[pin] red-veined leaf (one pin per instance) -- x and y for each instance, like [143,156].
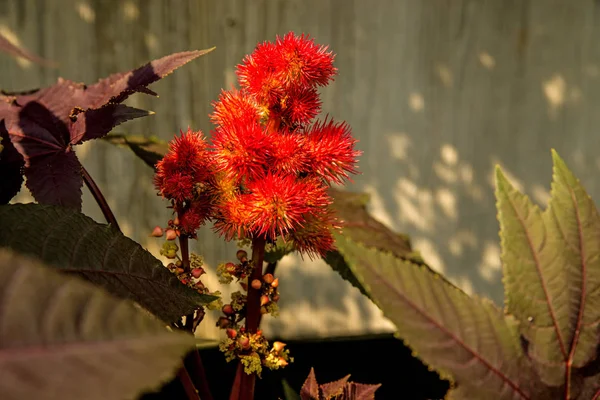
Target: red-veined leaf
[468,340]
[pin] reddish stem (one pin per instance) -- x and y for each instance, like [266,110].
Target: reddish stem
[198,374]
[235,388]
[99,197]
[187,383]
[252,313]
[194,359]
[185,264]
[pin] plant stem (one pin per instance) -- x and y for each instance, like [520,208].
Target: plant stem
[253,312]
[187,383]
[99,197]
[193,361]
[185,264]
[185,252]
[194,364]
[270,269]
[235,387]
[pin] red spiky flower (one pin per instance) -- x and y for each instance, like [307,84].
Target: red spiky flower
[280,164]
[182,176]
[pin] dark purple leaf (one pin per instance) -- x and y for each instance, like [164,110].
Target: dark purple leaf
[333,389]
[361,391]
[117,87]
[310,388]
[43,125]
[56,178]
[96,123]
[15,51]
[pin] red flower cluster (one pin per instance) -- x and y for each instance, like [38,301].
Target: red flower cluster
[273,167]
[184,176]
[268,168]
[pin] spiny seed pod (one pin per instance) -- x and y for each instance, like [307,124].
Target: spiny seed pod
[264,300]
[275,298]
[278,346]
[178,263]
[259,333]
[170,222]
[241,255]
[197,272]
[179,271]
[223,322]
[244,342]
[231,333]
[228,309]
[157,231]
[171,266]
[185,281]
[256,284]
[268,278]
[275,282]
[176,221]
[171,234]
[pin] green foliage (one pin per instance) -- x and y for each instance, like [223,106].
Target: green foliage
[69,241]
[551,264]
[149,149]
[546,344]
[63,338]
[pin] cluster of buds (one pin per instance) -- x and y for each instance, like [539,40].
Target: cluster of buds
[227,272]
[235,311]
[256,354]
[253,350]
[188,276]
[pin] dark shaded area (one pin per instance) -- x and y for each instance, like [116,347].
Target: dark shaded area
[379,359]
[11,167]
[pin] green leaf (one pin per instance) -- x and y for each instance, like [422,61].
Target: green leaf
[62,338]
[573,219]
[535,281]
[361,227]
[288,392]
[466,339]
[72,242]
[148,149]
[552,275]
[278,250]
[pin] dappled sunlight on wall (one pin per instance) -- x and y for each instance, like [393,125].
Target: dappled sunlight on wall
[316,301]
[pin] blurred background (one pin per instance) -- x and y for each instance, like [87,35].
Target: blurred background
[438,92]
